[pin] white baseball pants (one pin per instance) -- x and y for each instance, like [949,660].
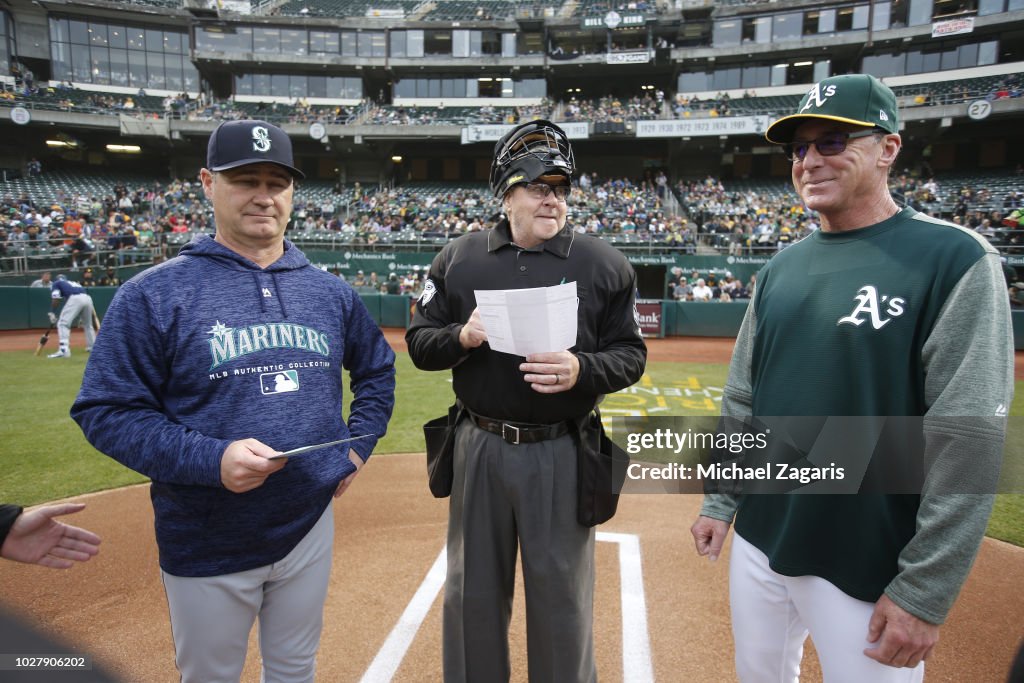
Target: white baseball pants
[772,615]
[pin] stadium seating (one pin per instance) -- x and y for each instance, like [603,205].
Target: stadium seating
[87,101]
[470,10]
[344,8]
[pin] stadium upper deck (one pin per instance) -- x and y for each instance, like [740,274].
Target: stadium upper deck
[388,92]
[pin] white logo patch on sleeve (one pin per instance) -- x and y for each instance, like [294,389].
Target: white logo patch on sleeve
[429,290]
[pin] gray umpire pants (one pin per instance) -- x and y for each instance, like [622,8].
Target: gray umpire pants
[505,496]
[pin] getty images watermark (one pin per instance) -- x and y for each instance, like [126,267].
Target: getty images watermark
[823,454]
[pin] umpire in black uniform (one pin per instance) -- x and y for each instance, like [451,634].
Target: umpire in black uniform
[515,457]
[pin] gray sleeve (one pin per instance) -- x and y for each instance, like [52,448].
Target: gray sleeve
[968,363]
[737,401]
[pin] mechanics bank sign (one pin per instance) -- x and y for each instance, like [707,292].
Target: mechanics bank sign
[649,317]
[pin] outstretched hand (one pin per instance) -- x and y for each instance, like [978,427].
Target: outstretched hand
[37,538]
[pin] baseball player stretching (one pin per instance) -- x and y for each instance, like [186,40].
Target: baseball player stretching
[77,304]
[883,312]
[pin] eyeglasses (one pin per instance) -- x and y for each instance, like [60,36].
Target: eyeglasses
[542,190]
[828,145]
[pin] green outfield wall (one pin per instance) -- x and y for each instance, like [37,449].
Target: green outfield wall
[24,308]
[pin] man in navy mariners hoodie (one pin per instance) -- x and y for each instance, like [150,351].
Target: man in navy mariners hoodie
[209,364]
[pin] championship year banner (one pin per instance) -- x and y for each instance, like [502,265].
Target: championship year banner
[728,125]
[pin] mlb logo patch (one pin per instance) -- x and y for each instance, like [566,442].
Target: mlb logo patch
[279,382]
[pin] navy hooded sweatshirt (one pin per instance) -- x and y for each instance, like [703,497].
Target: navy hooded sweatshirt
[209,348]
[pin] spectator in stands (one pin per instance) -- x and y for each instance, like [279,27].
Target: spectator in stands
[81,252]
[1016,292]
[675,274]
[110,278]
[701,292]
[682,291]
[737,242]
[127,243]
[33,167]
[144,234]
[873,612]
[43,281]
[125,205]
[359,280]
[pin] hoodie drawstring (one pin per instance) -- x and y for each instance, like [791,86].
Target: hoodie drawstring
[277,291]
[259,293]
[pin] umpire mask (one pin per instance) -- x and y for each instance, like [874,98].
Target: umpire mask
[529,151]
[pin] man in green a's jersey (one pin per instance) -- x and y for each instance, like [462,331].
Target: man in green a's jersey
[882,312]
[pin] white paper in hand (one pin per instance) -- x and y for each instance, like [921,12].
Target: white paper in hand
[525,321]
[315,447]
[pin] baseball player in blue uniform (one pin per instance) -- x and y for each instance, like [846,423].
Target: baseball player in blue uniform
[208,365]
[77,305]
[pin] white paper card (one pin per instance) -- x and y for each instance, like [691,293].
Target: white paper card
[525,321]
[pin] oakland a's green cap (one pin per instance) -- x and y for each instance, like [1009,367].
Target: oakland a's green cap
[859,99]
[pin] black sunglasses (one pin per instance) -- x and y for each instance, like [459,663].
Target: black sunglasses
[828,145]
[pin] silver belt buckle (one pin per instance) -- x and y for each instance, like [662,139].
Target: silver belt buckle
[507,429]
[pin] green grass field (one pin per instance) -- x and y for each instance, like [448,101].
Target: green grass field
[45,456]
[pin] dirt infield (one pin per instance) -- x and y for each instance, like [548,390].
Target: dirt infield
[389,532]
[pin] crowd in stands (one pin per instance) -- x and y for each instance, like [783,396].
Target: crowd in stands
[410,284]
[125,226]
[711,287]
[651,105]
[149,222]
[744,222]
[684,106]
[642,108]
[406,115]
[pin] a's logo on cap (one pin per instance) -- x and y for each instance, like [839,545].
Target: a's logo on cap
[817,97]
[882,115]
[260,139]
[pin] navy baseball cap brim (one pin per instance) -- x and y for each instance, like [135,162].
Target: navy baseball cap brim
[240,143]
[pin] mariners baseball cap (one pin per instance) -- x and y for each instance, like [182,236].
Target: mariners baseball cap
[239,143]
[860,99]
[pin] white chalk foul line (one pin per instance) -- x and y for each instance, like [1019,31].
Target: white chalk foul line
[383,667]
[636,644]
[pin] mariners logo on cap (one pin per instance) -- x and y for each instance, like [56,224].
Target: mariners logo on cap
[260,139]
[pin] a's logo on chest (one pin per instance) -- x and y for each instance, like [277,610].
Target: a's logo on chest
[869,303]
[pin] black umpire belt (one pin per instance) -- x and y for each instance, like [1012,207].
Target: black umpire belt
[516,433]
